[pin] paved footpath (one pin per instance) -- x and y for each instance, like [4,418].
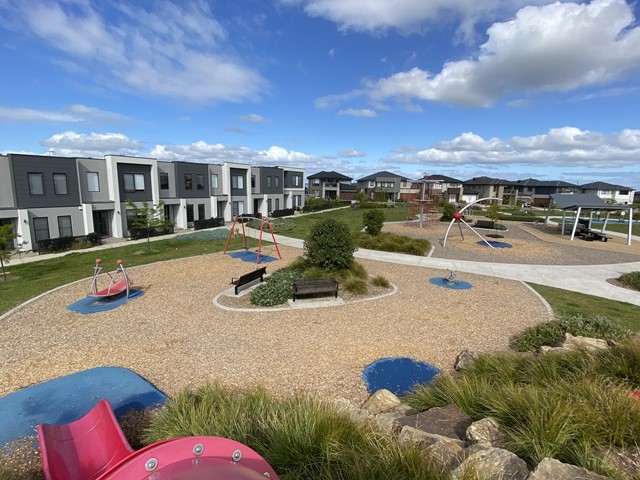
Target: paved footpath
[590,279]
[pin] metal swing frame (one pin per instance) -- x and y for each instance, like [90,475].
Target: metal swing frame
[263,221]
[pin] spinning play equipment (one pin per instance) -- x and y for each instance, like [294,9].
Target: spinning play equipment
[119,281]
[450,281]
[94,448]
[241,220]
[458,218]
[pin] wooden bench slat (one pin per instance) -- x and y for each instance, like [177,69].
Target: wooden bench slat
[248,277]
[314,285]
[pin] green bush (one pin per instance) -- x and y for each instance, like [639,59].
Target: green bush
[300,437]
[276,290]
[373,220]
[356,286]
[631,279]
[356,270]
[330,245]
[380,281]
[549,333]
[560,405]
[390,242]
[448,209]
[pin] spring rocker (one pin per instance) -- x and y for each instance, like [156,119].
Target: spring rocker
[119,281]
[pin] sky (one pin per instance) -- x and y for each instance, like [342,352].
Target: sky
[510,89]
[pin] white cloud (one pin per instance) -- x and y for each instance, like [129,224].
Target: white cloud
[407,15]
[358,112]
[254,118]
[351,153]
[73,144]
[72,114]
[561,147]
[332,53]
[555,47]
[238,130]
[178,51]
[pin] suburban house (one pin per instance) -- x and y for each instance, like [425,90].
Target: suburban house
[47,197]
[484,187]
[384,184]
[446,188]
[538,192]
[329,185]
[610,193]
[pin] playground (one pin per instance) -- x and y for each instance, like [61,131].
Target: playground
[175,337]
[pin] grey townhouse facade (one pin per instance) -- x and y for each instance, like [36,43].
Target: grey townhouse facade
[47,197]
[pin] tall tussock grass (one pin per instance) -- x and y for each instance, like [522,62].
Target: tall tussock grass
[569,406]
[300,437]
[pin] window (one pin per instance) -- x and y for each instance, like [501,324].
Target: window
[41,228]
[93,181]
[60,184]
[189,213]
[64,226]
[277,204]
[199,182]
[214,180]
[297,200]
[268,182]
[276,182]
[36,185]
[253,181]
[237,182]
[188,181]
[164,181]
[316,181]
[133,182]
[201,213]
[297,181]
[269,210]
[238,208]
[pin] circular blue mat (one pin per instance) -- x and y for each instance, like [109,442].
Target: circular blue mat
[495,244]
[94,305]
[398,375]
[455,285]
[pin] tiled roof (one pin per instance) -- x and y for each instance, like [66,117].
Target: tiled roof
[384,173]
[332,175]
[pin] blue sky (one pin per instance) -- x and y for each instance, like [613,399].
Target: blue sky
[504,88]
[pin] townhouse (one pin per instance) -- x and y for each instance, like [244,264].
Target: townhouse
[48,197]
[610,193]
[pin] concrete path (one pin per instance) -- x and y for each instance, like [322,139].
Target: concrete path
[589,279]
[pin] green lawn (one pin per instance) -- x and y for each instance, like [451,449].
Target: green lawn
[617,227]
[573,303]
[31,279]
[351,216]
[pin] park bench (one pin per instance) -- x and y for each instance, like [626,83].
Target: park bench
[484,224]
[314,285]
[248,278]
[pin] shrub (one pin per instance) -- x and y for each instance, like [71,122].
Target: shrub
[448,210]
[356,286]
[380,281]
[94,239]
[330,245]
[285,212]
[549,333]
[373,220]
[208,223]
[300,437]
[356,270]
[276,290]
[390,242]
[631,279]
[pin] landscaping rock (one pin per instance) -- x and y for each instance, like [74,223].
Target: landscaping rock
[488,431]
[447,421]
[447,453]
[625,460]
[358,415]
[381,401]
[421,438]
[388,421]
[465,359]
[403,409]
[575,343]
[552,469]
[493,463]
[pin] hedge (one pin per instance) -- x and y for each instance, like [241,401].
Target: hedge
[208,223]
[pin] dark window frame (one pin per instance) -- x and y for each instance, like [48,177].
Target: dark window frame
[66,183]
[70,226]
[188,181]
[199,181]
[133,177]
[164,185]
[41,175]
[97,175]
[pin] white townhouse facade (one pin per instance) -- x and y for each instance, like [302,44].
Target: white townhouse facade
[47,197]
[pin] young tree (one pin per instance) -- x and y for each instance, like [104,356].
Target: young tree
[148,217]
[493,212]
[7,235]
[373,219]
[448,210]
[330,245]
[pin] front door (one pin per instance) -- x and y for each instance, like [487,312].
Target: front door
[41,229]
[101,223]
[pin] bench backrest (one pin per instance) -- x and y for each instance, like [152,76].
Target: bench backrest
[254,274]
[315,281]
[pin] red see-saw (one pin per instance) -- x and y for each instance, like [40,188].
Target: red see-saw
[119,281]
